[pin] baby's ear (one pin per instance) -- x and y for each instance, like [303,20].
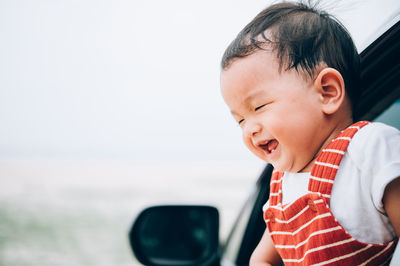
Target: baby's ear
[330,86]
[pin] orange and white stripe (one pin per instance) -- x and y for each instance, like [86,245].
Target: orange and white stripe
[305,232]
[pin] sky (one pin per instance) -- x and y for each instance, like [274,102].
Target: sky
[119,79]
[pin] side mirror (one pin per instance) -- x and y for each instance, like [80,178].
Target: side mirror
[176,235]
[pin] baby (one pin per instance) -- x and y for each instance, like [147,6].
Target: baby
[291,80]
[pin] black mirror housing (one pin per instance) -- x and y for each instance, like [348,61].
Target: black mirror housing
[176,235]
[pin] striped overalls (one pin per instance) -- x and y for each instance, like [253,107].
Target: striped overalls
[305,231]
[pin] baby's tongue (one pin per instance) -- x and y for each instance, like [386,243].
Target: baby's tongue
[272,145]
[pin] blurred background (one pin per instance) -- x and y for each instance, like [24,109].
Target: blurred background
[107,107]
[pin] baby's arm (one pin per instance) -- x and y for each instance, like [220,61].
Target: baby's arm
[265,252]
[391,201]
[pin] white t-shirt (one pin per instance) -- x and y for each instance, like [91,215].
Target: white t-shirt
[372,160]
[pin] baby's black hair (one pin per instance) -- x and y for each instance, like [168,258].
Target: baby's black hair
[302,38]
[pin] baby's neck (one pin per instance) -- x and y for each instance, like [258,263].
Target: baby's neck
[336,128]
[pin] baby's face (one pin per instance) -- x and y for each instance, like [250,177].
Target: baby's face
[279,113]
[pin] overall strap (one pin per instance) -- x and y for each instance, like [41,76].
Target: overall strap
[275,195]
[327,163]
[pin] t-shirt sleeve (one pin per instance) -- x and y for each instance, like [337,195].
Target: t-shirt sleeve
[376,151]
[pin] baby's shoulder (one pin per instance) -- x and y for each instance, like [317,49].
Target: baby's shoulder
[375,140]
[373,136]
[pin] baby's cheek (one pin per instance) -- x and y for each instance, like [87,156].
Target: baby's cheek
[249,144]
[247,141]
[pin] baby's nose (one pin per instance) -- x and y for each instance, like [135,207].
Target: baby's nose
[252,128]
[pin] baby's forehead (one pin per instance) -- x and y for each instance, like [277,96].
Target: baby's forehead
[257,58]
[268,57]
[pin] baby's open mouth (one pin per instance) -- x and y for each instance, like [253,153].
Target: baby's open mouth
[269,146]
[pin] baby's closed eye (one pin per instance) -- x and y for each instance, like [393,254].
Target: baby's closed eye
[259,107]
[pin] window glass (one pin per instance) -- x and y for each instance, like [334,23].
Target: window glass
[391,116]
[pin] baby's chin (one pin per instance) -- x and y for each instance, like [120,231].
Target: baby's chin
[285,168]
[282,167]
